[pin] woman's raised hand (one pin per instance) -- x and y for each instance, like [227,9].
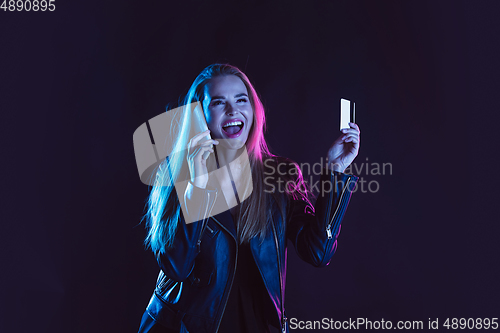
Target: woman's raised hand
[197,156]
[345,148]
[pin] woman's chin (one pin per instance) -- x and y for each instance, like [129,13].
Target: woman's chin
[232,143]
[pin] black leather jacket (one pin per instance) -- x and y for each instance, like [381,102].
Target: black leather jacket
[196,276]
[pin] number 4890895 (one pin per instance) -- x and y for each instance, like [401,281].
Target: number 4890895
[28,5]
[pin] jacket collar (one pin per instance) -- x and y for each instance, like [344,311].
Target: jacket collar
[225,219]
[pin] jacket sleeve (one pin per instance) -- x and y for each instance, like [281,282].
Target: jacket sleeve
[314,230]
[177,262]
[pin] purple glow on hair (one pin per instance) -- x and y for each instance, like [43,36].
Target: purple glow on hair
[256,145]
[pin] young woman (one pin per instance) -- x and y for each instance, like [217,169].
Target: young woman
[220,240]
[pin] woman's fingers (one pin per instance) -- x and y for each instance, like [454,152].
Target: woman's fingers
[200,150]
[209,142]
[354,130]
[203,150]
[350,135]
[205,156]
[350,130]
[198,153]
[352,139]
[194,140]
[353,125]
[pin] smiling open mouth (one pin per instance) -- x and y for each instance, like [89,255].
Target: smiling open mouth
[233,128]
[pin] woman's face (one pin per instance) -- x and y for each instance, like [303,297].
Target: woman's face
[228,110]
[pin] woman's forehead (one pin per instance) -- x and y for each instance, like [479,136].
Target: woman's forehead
[225,86]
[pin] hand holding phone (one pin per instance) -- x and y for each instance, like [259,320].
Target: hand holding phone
[200,125]
[198,152]
[199,148]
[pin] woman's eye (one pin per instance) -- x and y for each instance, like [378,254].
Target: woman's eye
[242,100]
[216,103]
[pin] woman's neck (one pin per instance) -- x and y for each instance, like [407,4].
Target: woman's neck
[227,156]
[234,165]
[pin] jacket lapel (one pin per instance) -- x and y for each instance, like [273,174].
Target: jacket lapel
[266,258]
[225,219]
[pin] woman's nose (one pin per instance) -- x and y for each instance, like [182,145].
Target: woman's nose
[231,110]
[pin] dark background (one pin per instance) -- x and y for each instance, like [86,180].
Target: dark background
[76,83]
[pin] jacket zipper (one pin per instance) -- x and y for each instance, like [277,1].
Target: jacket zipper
[328,232]
[283,318]
[205,220]
[329,226]
[232,280]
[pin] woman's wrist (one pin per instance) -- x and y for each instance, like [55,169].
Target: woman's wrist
[199,183]
[336,167]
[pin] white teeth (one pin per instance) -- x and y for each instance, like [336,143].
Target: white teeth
[234,123]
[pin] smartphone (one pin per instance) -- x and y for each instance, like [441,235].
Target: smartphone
[347,113]
[200,124]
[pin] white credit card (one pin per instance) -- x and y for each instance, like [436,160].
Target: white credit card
[347,112]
